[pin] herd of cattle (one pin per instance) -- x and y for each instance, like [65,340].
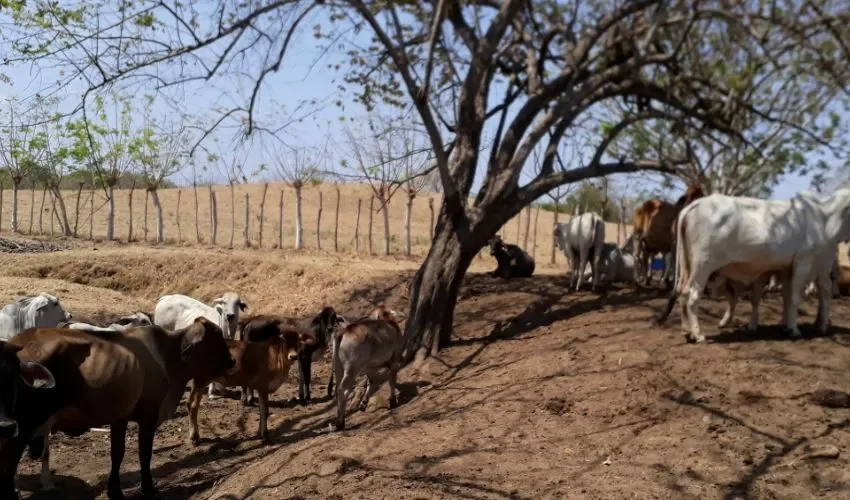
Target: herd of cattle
[716,243]
[59,375]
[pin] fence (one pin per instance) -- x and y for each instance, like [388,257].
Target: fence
[334,217]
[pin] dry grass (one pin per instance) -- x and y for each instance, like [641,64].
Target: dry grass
[350,194]
[514,231]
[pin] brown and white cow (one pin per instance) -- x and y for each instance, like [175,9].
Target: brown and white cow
[367,346]
[261,366]
[94,379]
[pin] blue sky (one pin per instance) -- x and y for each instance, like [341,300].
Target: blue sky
[300,79]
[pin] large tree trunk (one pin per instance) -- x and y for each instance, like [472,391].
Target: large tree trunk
[130,212]
[110,215]
[16,184]
[434,294]
[63,212]
[299,237]
[77,208]
[386,210]
[160,223]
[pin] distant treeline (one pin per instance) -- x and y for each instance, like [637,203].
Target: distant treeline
[73,180]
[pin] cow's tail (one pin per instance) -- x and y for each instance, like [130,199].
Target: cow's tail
[682,267]
[336,362]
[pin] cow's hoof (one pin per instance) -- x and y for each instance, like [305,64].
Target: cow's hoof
[265,440]
[47,485]
[150,492]
[195,439]
[362,406]
[114,493]
[393,402]
[339,426]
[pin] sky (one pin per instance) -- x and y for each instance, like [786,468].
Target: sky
[301,78]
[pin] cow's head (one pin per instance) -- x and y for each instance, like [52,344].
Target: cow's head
[496,245]
[205,351]
[383,312]
[292,341]
[138,319]
[17,376]
[47,311]
[230,305]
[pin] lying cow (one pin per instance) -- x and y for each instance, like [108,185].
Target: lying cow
[367,346]
[40,311]
[135,320]
[581,240]
[742,239]
[261,366]
[173,312]
[93,379]
[321,327]
[615,265]
[511,260]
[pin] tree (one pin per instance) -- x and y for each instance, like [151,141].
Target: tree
[388,158]
[161,150]
[53,146]
[506,76]
[297,167]
[102,142]
[19,161]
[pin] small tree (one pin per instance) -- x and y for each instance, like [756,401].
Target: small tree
[297,168]
[161,151]
[17,159]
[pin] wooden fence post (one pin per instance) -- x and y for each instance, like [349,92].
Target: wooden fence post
[534,239]
[371,212]
[77,208]
[91,213]
[41,212]
[336,222]
[213,215]
[319,223]
[262,214]
[197,215]
[246,242]
[32,209]
[177,216]
[527,227]
[280,221]
[357,228]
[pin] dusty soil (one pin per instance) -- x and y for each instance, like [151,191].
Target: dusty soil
[545,394]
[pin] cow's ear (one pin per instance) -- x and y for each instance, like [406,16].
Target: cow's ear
[219,307]
[37,375]
[243,305]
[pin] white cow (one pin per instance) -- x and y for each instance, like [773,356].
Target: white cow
[40,311]
[582,239]
[174,312]
[615,265]
[135,320]
[744,239]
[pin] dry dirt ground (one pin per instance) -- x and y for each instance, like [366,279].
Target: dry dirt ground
[545,393]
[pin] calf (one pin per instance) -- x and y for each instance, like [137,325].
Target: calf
[92,379]
[512,261]
[132,321]
[367,346]
[259,365]
[321,327]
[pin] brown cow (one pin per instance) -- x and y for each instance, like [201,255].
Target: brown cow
[263,366]
[367,346]
[654,228]
[104,379]
[843,280]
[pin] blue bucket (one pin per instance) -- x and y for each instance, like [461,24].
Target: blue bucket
[657,264]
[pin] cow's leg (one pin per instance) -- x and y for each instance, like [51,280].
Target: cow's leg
[331,370]
[799,273]
[263,394]
[371,387]
[690,322]
[732,295]
[344,385]
[46,476]
[756,292]
[393,382]
[305,364]
[117,433]
[594,265]
[582,263]
[824,285]
[194,403]
[147,429]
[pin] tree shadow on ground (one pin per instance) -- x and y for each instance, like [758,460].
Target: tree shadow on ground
[774,333]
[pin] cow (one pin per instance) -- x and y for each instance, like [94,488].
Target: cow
[843,280]
[653,226]
[512,261]
[93,379]
[742,239]
[173,312]
[135,320]
[581,239]
[321,327]
[367,346]
[262,366]
[616,264]
[40,311]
